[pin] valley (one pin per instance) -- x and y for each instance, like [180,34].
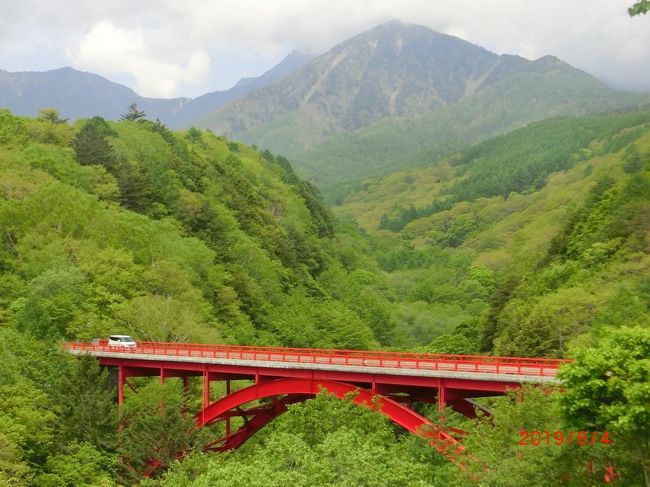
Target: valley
[406,200]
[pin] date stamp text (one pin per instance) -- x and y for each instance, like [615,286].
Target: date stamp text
[560,438]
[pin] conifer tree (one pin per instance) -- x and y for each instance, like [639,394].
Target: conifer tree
[134,115]
[91,147]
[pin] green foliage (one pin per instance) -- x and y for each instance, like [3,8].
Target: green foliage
[52,305]
[40,405]
[133,114]
[239,235]
[609,390]
[523,160]
[130,227]
[154,428]
[12,129]
[496,458]
[51,116]
[26,421]
[84,401]
[632,159]
[79,464]
[567,256]
[191,237]
[303,322]
[91,145]
[462,340]
[46,132]
[322,442]
[412,213]
[640,7]
[610,228]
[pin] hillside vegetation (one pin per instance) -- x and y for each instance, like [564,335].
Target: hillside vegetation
[128,227]
[524,242]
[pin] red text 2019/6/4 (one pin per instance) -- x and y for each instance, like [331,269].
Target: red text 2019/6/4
[559,438]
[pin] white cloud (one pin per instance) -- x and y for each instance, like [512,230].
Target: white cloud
[167,45]
[107,49]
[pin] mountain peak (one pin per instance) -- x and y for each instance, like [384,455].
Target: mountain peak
[407,77]
[549,59]
[419,41]
[395,24]
[399,25]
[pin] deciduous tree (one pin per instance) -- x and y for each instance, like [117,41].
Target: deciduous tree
[608,389]
[51,115]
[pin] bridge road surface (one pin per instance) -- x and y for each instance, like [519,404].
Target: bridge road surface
[289,362]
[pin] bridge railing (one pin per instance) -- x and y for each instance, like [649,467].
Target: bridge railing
[545,367]
[381,359]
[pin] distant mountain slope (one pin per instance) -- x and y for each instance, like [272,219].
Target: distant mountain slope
[391,70]
[198,108]
[78,94]
[413,201]
[396,94]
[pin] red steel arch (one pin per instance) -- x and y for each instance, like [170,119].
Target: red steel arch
[385,381]
[286,391]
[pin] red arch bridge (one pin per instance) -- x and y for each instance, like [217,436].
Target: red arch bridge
[389,382]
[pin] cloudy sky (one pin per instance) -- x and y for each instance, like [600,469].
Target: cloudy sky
[167,48]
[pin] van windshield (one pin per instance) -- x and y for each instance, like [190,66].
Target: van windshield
[121,338]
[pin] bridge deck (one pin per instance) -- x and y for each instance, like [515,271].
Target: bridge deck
[468,367]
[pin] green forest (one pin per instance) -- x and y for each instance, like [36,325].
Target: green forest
[534,243]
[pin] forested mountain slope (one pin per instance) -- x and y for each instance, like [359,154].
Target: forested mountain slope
[398,95]
[522,244]
[130,227]
[525,241]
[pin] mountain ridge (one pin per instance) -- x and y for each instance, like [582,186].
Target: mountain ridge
[82,94]
[76,94]
[426,89]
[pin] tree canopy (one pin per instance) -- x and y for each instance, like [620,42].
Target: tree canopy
[640,7]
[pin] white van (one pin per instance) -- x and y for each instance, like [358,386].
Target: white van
[121,341]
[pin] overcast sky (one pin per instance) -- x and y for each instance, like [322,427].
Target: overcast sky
[167,48]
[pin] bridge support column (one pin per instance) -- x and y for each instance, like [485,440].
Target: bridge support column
[120,387]
[442,396]
[186,394]
[206,392]
[228,418]
[162,381]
